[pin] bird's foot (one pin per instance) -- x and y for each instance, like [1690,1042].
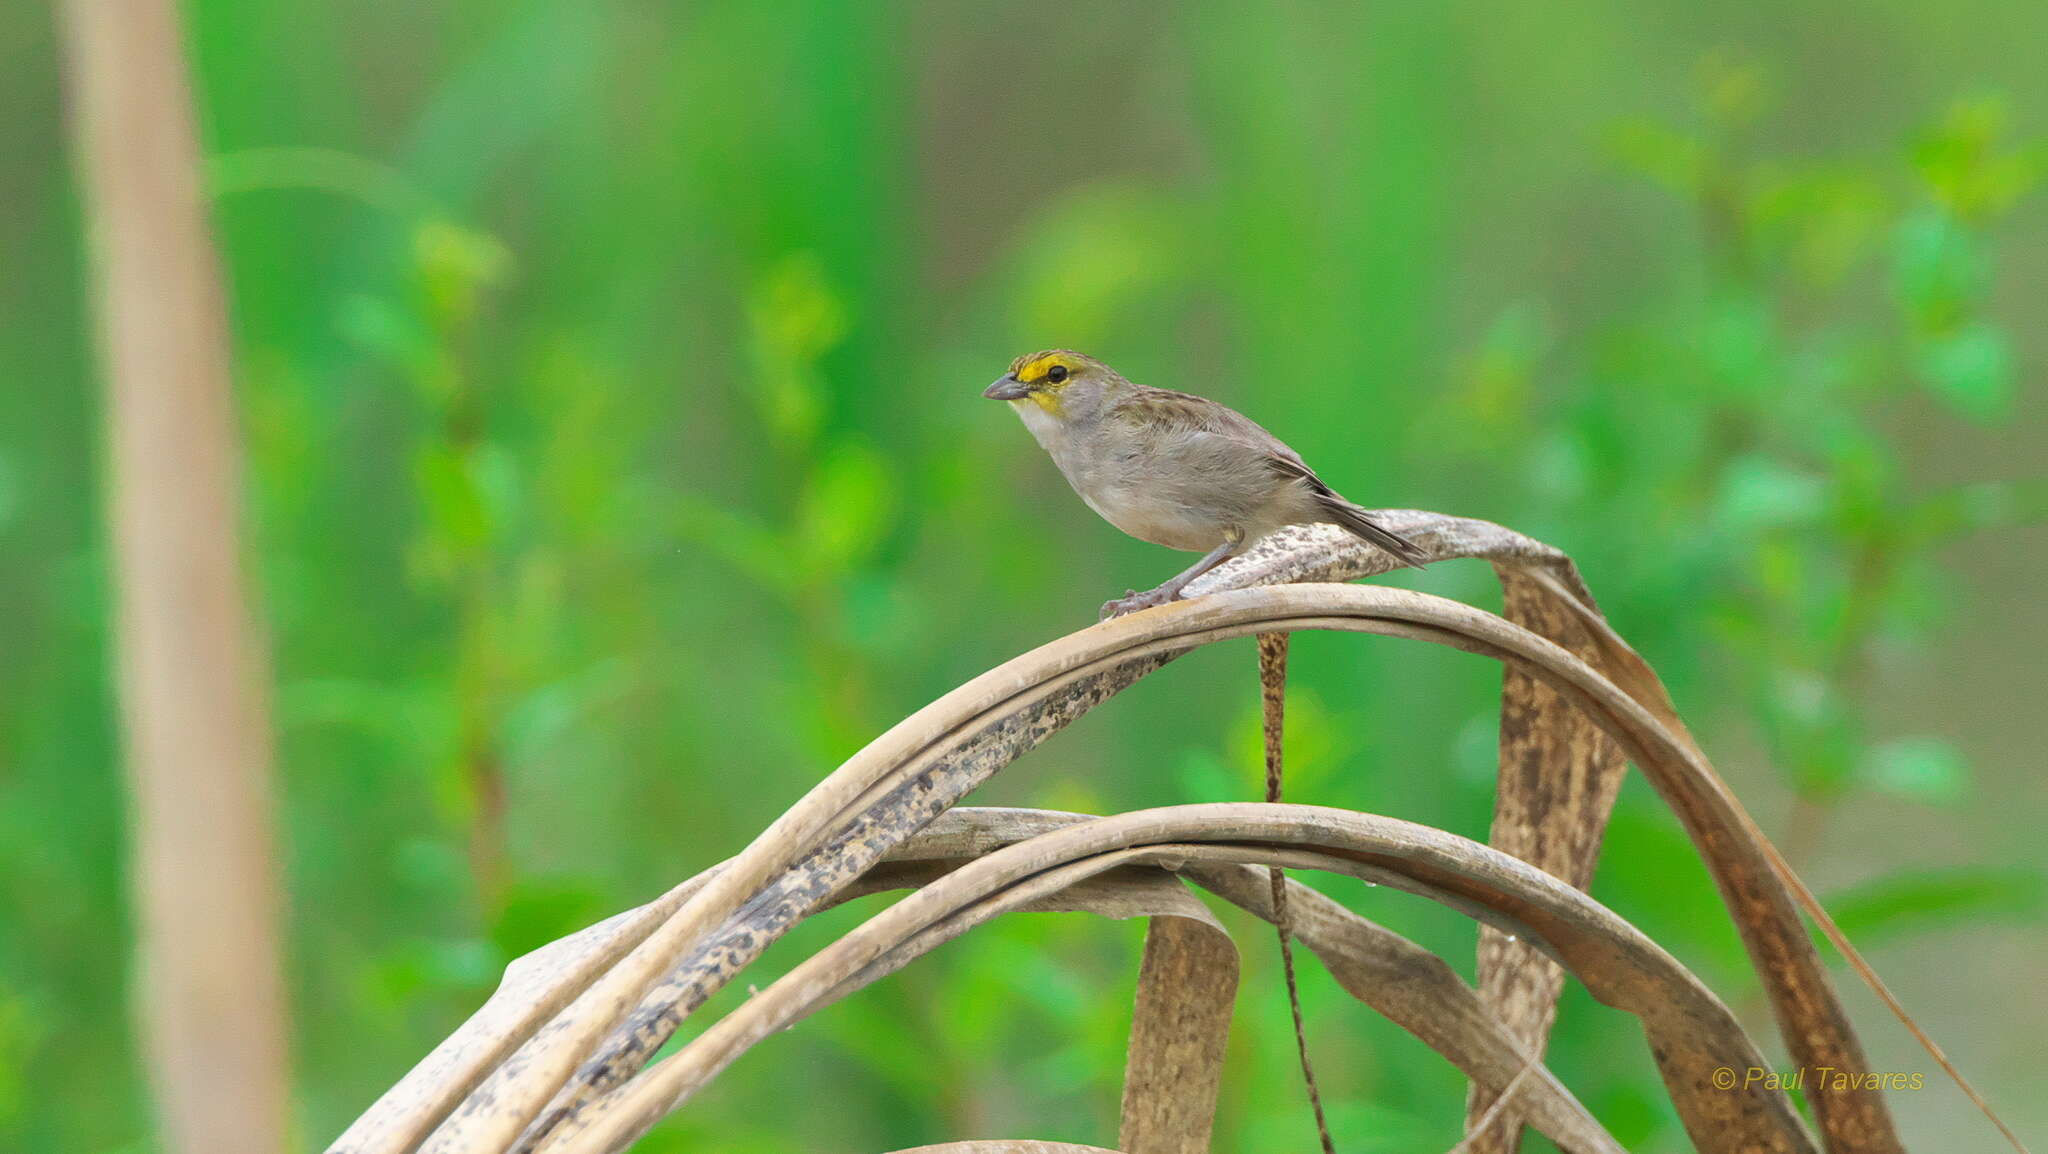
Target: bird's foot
[1132,601]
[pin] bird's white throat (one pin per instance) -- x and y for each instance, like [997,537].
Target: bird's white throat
[1043,425]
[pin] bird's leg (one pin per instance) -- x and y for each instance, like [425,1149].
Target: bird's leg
[1132,600]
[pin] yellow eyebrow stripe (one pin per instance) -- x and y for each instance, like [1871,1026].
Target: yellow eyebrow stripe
[1033,370]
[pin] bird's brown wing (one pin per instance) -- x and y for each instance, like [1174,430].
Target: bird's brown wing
[1167,409]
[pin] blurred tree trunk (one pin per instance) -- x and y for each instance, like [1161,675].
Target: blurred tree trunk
[194,711]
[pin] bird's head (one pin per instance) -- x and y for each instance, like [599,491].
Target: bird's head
[1062,382]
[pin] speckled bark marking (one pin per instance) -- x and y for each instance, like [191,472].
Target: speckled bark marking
[1558,778]
[1273,715]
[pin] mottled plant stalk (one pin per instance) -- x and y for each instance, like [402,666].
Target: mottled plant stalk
[1273,712]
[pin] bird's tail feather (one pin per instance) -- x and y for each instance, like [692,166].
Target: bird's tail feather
[1361,524]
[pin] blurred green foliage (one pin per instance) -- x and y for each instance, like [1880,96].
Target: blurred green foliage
[615,468]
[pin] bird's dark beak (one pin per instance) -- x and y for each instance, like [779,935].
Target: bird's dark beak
[1007,388]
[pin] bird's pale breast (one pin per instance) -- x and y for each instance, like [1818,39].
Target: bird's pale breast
[1186,489]
[1151,515]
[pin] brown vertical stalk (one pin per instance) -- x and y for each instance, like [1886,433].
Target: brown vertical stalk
[194,716]
[1559,775]
[1273,711]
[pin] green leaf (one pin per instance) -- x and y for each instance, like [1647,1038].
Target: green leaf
[1902,903]
[1920,769]
[1971,370]
[797,318]
[847,508]
[1673,160]
[1739,341]
[1967,165]
[380,326]
[457,513]
[1971,508]
[1937,269]
[1758,492]
[455,265]
[1824,220]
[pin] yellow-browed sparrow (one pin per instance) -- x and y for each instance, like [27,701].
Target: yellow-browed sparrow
[1172,468]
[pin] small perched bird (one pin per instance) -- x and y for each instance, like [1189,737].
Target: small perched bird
[1173,468]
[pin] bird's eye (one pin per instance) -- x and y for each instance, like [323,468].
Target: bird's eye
[1056,374]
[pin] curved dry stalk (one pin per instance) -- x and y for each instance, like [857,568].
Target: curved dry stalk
[1570,801]
[1480,1126]
[927,762]
[1629,670]
[969,734]
[1187,986]
[535,987]
[1690,1032]
[990,721]
[1559,773]
[1410,986]
[1816,1029]
[1419,992]
[883,817]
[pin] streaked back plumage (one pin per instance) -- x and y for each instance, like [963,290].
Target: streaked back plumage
[1174,468]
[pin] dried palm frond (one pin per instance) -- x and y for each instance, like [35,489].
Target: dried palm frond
[557,1060]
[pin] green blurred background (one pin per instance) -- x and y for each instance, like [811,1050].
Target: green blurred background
[609,373]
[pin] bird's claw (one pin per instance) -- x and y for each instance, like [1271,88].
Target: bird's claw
[1132,601]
